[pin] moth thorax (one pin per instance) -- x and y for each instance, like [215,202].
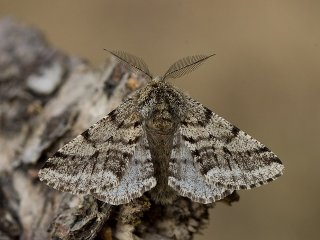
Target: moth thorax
[161,121]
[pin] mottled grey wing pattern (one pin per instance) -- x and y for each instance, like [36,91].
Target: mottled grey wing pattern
[185,178]
[224,154]
[137,179]
[100,158]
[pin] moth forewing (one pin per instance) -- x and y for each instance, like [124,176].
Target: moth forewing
[110,160]
[224,154]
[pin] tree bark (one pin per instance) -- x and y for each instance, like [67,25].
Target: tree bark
[46,99]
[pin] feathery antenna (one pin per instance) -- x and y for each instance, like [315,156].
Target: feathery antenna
[185,66]
[135,63]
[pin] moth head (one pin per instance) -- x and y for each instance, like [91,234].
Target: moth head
[176,70]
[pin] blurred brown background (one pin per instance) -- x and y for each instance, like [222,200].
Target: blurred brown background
[265,79]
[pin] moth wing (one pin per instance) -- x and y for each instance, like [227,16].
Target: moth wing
[137,179]
[223,153]
[185,178]
[98,159]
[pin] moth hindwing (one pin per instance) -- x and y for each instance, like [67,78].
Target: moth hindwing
[162,141]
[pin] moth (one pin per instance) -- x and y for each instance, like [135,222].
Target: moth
[161,141]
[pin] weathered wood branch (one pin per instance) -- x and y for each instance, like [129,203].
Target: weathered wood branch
[46,99]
